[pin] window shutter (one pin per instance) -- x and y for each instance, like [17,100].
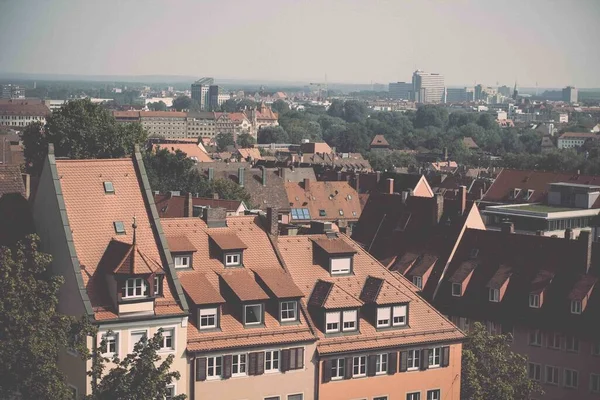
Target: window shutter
[424,359]
[227,366]
[299,357]
[285,360]
[326,374]
[252,363]
[348,370]
[371,365]
[260,363]
[201,369]
[445,356]
[403,361]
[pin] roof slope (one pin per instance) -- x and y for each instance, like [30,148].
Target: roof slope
[192,150]
[174,206]
[11,180]
[336,200]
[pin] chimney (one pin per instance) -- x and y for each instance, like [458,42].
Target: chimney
[241,176]
[357,182]
[272,221]
[462,196]
[216,196]
[378,176]
[569,234]
[264,176]
[438,208]
[390,185]
[282,173]
[211,174]
[586,238]
[215,217]
[508,227]
[339,176]
[306,184]
[405,195]
[189,206]
[27,182]
[445,154]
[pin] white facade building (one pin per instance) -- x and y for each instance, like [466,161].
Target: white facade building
[428,87]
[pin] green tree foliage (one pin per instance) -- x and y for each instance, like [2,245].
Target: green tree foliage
[223,140]
[229,105]
[157,106]
[32,333]
[245,140]
[387,161]
[138,376]
[245,104]
[80,129]
[228,189]
[181,103]
[273,134]
[430,115]
[280,107]
[491,371]
[336,109]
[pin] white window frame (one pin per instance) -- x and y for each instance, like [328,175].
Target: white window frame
[157,282]
[546,375]
[381,364]
[455,285]
[399,311]
[115,335]
[207,313]
[270,364]
[239,364]
[418,282]
[214,359]
[572,344]
[341,270]
[576,307]
[413,396]
[260,315]
[168,332]
[536,377]
[413,360]
[359,363]
[182,261]
[233,259]
[134,332]
[349,317]
[537,336]
[135,284]
[434,394]
[293,310]
[596,378]
[435,357]
[494,295]
[173,393]
[573,374]
[333,317]
[339,365]
[534,300]
[552,341]
[383,320]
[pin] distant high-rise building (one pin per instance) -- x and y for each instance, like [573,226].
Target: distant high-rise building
[200,92]
[216,96]
[401,90]
[504,91]
[569,94]
[479,92]
[428,87]
[456,95]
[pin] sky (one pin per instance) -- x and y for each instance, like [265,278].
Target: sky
[553,43]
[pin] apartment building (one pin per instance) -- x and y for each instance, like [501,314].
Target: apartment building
[167,124]
[201,124]
[569,140]
[98,221]
[18,114]
[377,338]
[249,335]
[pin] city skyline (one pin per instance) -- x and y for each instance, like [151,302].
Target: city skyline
[465,41]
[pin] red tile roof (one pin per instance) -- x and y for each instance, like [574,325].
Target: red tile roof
[243,283]
[169,206]
[379,141]
[11,180]
[192,150]
[338,200]
[334,245]
[179,244]
[25,109]
[228,241]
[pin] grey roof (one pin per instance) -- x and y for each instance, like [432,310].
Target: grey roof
[299,174]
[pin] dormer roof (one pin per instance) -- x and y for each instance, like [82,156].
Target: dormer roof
[500,277]
[199,289]
[279,283]
[180,244]
[228,241]
[582,287]
[378,291]
[463,271]
[423,264]
[243,285]
[541,281]
[334,246]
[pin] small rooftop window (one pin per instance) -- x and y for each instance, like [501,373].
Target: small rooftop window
[300,213]
[342,212]
[322,213]
[349,197]
[119,227]
[108,187]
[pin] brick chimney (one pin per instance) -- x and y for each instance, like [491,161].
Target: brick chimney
[215,217]
[306,184]
[272,221]
[508,227]
[390,185]
[241,173]
[585,237]
[189,206]
[569,234]
[438,208]
[377,176]
[462,197]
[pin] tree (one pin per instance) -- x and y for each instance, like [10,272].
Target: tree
[229,190]
[355,111]
[135,377]
[174,172]
[490,370]
[229,105]
[157,106]
[80,129]
[33,332]
[280,106]
[336,109]
[430,115]
[223,140]
[182,103]
[272,134]
[245,140]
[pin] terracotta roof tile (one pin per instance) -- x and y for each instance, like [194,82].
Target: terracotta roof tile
[169,206]
[227,241]
[192,150]
[199,289]
[379,141]
[11,180]
[279,283]
[334,245]
[500,276]
[135,262]
[326,201]
[244,285]
[180,244]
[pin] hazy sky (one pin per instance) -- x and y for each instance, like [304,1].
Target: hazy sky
[552,42]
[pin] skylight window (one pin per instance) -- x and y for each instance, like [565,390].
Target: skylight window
[322,213]
[342,213]
[119,227]
[300,213]
[108,187]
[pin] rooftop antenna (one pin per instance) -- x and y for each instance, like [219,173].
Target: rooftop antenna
[134,226]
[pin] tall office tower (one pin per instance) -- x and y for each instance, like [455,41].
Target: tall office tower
[428,87]
[401,90]
[504,91]
[200,92]
[216,96]
[569,94]
[456,95]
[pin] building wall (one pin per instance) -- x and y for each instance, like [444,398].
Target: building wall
[20,121]
[260,386]
[396,386]
[169,127]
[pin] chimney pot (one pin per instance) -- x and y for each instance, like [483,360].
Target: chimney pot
[462,194]
[272,221]
[241,176]
[508,227]
[211,174]
[189,209]
[390,185]
[306,184]
[264,176]
[586,238]
[215,217]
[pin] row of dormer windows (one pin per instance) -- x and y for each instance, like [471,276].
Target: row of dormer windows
[252,314]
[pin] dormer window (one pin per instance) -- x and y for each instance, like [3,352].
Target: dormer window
[456,289]
[119,227]
[182,261]
[515,193]
[534,300]
[253,314]
[494,295]
[322,213]
[529,194]
[207,318]
[233,260]
[158,285]
[349,320]
[109,188]
[575,307]
[474,253]
[418,282]
[341,321]
[391,316]
[340,265]
[332,322]
[135,288]
[288,311]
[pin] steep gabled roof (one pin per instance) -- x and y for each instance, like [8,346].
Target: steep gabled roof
[379,141]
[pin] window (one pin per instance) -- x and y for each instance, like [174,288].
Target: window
[391,316]
[332,322]
[288,311]
[399,316]
[119,227]
[456,289]
[575,307]
[418,282]
[298,396]
[170,392]
[182,261]
[433,394]
[535,371]
[340,266]
[208,318]
[381,364]
[112,344]
[253,314]
[596,349]
[322,213]
[359,366]
[572,344]
[594,383]
[551,375]
[272,361]
[571,378]
[434,356]
[167,340]
[337,368]
[529,194]
[554,341]
[535,337]
[238,365]
[413,396]
[108,187]
[380,398]
[383,316]
[494,295]
[534,300]
[135,287]
[233,260]
[157,285]
[349,320]
[136,337]
[214,367]
[414,359]
[300,213]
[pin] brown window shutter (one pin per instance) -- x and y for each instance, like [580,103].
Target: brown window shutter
[292,363]
[403,361]
[299,357]
[445,356]
[348,370]
[201,369]
[326,374]
[260,363]
[424,359]
[285,360]
[252,363]
[227,366]
[371,365]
